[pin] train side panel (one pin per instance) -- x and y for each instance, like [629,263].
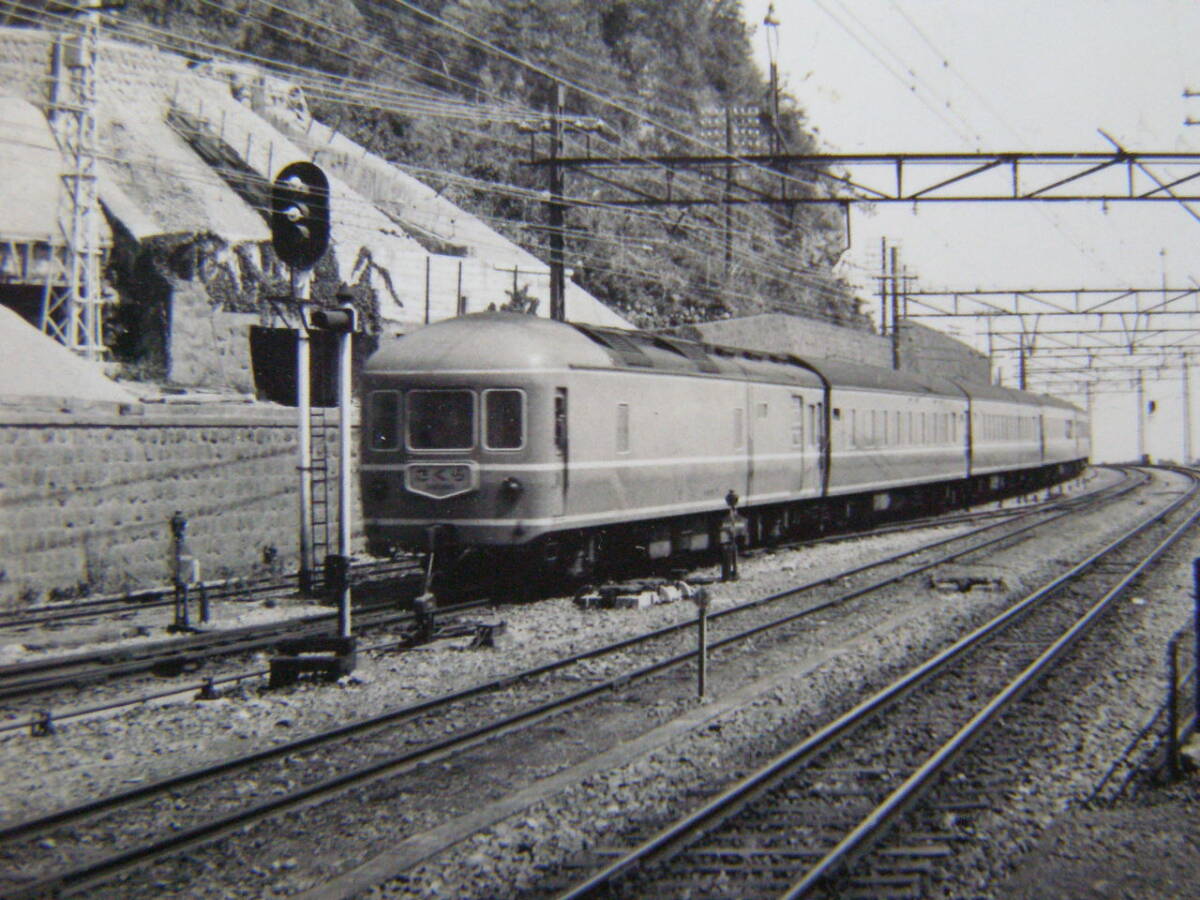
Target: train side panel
[1062,440]
[1004,436]
[885,440]
[648,446]
[645,447]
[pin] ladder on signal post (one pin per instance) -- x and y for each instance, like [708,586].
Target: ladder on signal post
[320,516]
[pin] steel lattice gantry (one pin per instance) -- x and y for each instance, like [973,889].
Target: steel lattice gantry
[1152,327]
[1078,335]
[1119,175]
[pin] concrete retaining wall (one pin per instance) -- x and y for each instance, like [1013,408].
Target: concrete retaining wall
[922,349]
[779,333]
[930,352]
[86,497]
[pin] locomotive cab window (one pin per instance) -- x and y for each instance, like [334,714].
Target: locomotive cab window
[384,418]
[504,419]
[440,420]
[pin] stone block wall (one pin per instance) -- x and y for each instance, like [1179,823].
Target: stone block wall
[86,497]
[208,347]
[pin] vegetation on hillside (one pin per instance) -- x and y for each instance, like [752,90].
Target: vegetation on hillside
[653,71]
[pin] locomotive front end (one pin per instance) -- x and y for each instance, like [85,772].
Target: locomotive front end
[463,439]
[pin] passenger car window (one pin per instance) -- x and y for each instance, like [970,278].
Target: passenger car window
[440,420]
[504,418]
[622,427]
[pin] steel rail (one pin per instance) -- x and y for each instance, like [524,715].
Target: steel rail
[221,590]
[103,664]
[744,791]
[90,872]
[869,829]
[933,521]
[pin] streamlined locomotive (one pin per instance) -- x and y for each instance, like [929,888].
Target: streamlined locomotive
[500,430]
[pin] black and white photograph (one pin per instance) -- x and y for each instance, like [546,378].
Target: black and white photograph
[563,449]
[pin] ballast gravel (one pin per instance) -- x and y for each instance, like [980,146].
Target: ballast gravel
[525,853]
[103,755]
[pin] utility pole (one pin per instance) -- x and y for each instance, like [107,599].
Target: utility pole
[556,206]
[1187,409]
[895,312]
[991,349]
[728,192]
[1141,416]
[771,24]
[557,213]
[73,315]
[1021,364]
[883,286]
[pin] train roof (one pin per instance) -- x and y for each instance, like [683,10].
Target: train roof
[1049,400]
[1011,395]
[996,392]
[487,341]
[515,341]
[853,375]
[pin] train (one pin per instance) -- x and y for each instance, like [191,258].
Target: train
[563,444]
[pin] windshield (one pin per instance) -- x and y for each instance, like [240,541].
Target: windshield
[440,420]
[503,410]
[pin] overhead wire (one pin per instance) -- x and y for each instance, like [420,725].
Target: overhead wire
[575,85]
[1052,218]
[273,5]
[341,82]
[292,34]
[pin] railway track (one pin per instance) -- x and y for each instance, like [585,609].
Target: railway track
[363,574]
[230,590]
[821,818]
[46,719]
[178,655]
[93,841]
[186,654]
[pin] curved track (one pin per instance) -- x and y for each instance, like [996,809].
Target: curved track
[793,827]
[185,654]
[364,750]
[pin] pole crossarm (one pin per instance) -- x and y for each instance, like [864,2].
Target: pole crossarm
[1096,302]
[1121,332]
[813,178]
[1100,353]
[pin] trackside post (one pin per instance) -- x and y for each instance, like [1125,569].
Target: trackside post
[1173,707]
[701,600]
[1196,638]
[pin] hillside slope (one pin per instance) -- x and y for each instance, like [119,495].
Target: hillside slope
[433,86]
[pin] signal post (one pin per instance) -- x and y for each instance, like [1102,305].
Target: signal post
[300,226]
